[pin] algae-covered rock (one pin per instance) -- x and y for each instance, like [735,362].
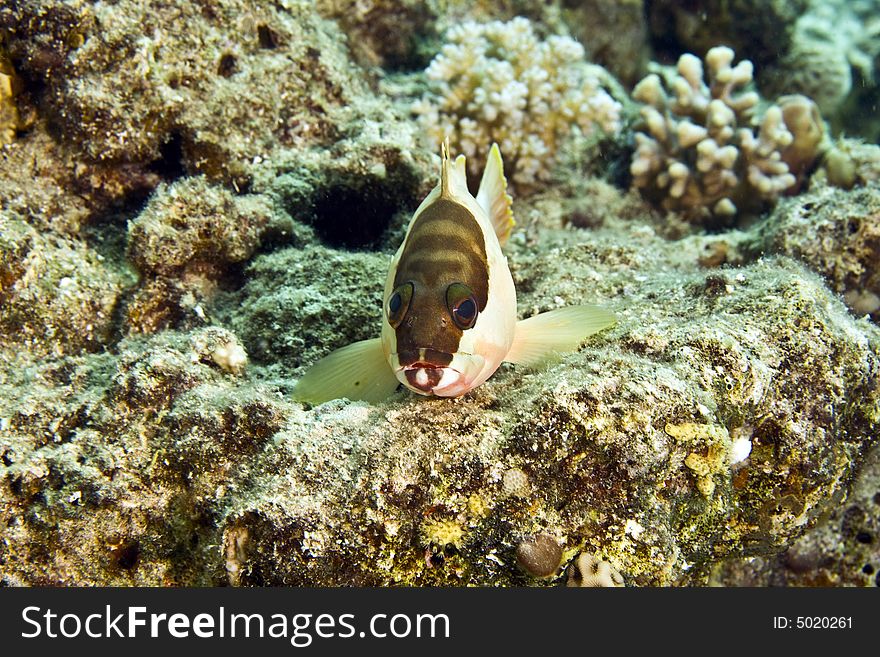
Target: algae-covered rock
[354,194]
[614,34]
[186,240]
[119,481]
[57,296]
[300,303]
[10,118]
[837,234]
[842,550]
[55,190]
[611,441]
[764,28]
[192,224]
[721,417]
[230,83]
[387,33]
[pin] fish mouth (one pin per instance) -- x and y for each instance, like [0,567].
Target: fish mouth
[430,380]
[428,372]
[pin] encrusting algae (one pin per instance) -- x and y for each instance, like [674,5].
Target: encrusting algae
[10,121]
[208,198]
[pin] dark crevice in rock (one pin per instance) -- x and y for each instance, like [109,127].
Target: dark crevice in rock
[356,212]
[169,165]
[349,217]
[353,197]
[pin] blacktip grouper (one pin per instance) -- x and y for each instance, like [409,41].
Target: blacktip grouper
[449,317]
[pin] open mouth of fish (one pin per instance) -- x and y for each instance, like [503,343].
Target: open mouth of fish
[434,376]
[431,379]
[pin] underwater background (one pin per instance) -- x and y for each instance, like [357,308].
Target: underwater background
[200,199]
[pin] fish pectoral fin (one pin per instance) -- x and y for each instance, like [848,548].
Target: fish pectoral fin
[493,197]
[359,372]
[537,338]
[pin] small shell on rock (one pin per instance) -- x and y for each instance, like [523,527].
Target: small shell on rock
[539,556]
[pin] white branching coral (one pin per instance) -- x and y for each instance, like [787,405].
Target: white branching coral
[498,82]
[702,154]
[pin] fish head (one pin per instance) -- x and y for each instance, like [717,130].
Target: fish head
[436,350]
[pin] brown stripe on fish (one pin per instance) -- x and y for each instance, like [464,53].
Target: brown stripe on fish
[445,245]
[424,248]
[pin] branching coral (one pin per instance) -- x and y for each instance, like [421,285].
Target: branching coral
[703,155]
[498,82]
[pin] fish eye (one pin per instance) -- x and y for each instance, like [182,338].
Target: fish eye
[398,304]
[462,305]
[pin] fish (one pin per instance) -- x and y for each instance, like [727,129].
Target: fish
[449,304]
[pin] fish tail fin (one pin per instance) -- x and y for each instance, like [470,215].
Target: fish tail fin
[358,372]
[537,338]
[493,197]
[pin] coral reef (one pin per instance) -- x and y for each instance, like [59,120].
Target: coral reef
[700,155]
[515,483]
[201,200]
[497,82]
[826,50]
[614,33]
[850,162]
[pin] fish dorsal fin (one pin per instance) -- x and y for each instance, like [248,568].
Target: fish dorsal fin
[358,372]
[493,196]
[453,174]
[444,169]
[540,337]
